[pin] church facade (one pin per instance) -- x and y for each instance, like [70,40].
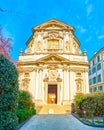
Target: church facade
[53,68]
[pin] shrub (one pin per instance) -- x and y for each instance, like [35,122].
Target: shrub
[8,94]
[92,103]
[25,106]
[25,100]
[24,114]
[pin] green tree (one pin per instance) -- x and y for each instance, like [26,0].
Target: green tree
[8,94]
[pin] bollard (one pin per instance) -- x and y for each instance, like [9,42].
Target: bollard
[103,119]
[84,115]
[92,119]
[72,108]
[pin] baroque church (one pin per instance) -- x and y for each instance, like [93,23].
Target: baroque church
[53,68]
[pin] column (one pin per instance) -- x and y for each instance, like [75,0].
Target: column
[71,82]
[86,82]
[65,87]
[36,84]
[34,80]
[45,92]
[40,85]
[58,92]
[68,85]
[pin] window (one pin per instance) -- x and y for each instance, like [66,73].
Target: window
[99,66]
[99,78]
[93,62]
[94,70]
[94,89]
[98,58]
[89,72]
[94,80]
[100,88]
[90,82]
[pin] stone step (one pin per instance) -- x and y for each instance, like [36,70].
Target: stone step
[54,109]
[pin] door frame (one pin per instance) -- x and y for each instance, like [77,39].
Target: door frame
[56,93]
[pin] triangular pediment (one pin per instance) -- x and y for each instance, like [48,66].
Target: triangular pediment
[53,59]
[53,24]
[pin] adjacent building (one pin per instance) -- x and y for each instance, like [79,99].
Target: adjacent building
[53,68]
[96,71]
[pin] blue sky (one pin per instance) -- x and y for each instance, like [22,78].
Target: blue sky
[18,17]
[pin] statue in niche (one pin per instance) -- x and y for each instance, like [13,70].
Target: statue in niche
[39,46]
[67,46]
[79,87]
[25,83]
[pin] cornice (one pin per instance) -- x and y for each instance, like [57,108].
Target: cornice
[68,63]
[53,22]
[95,55]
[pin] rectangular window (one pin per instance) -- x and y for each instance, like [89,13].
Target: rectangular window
[90,81]
[98,58]
[100,88]
[89,72]
[99,66]
[94,70]
[94,80]
[93,62]
[94,89]
[99,78]
[89,66]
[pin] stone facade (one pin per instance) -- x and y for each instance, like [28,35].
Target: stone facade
[53,68]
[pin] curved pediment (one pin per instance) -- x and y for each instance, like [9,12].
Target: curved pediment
[53,24]
[53,36]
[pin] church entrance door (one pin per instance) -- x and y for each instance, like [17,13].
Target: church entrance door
[52,93]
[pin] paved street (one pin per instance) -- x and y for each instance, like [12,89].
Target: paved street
[55,122]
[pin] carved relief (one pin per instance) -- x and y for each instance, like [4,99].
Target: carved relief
[52,74]
[25,84]
[79,85]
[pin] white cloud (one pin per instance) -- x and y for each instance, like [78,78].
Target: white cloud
[7,34]
[89,9]
[82,29]
[101,37]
